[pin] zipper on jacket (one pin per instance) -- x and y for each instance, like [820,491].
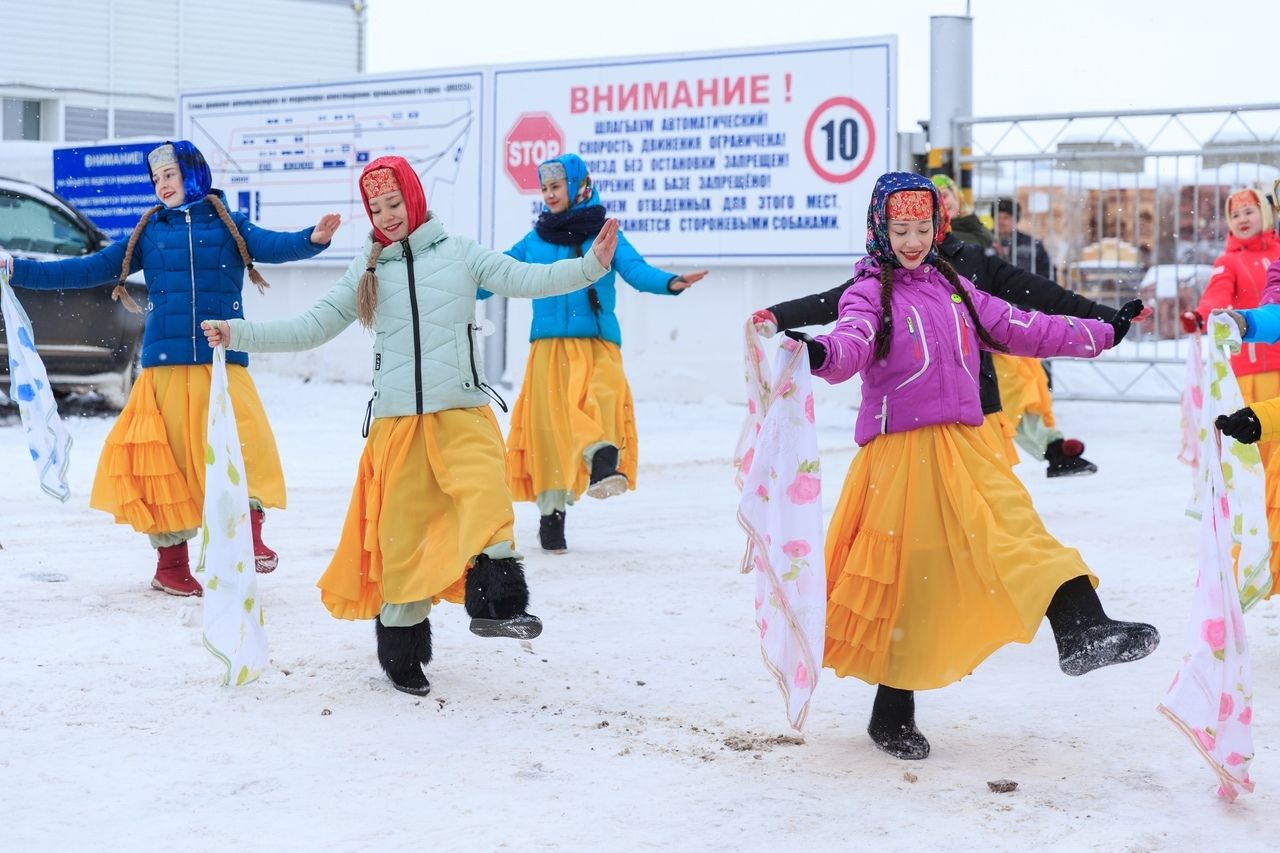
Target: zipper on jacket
[191,262]
[915,342]
[921,347]
[475,371]
[883,417]
[417,334]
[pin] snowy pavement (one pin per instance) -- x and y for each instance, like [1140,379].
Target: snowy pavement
[642,719]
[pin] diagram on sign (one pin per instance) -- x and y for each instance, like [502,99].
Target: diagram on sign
[287,157]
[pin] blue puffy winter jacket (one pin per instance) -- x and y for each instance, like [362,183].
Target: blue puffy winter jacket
[571,315]
[192,270]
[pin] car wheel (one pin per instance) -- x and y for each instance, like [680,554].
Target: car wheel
[115,393]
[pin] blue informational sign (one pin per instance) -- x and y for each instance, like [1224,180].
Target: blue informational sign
[108,183]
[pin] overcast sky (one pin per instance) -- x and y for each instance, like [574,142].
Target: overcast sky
[1030,56]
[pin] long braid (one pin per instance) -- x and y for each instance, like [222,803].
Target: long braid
[983,335]
[886,316]
[367,289]
[120,293]
[254,275]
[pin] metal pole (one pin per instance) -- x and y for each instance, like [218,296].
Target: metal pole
[950,97]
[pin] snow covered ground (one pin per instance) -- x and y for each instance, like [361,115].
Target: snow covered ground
[642,719]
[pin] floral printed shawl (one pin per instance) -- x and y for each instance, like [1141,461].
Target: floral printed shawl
[781,511]
[1211,697]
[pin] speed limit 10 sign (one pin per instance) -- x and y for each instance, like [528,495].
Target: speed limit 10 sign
[839,140]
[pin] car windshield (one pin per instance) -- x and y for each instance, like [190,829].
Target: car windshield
[28,225]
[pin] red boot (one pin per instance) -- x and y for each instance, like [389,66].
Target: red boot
[265,560]
[173,572]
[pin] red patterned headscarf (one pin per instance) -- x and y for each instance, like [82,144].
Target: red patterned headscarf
[910,206]
[389,174]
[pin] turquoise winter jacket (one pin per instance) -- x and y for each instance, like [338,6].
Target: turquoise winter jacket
[425,354]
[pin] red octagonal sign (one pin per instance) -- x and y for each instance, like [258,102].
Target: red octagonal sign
[533,138]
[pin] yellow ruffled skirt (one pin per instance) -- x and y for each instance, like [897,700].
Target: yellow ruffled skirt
[935,559]
[151,471]
[574,394]
[1024,387]
[430,495]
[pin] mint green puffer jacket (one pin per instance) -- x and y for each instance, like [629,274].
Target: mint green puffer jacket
[425,354]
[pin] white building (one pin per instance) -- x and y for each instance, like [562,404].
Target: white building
[90,70]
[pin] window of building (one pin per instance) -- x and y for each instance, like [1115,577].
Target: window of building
[84,123]
[143,123]
[21,119]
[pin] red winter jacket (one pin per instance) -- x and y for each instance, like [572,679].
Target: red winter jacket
[1239,276]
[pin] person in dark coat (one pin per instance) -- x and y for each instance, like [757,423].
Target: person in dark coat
[990,274]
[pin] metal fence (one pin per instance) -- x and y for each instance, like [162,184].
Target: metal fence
[1126,205]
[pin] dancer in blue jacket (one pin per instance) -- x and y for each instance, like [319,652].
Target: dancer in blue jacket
[573,428]
[193,254]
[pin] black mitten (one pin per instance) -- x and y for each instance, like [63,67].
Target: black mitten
[1124,317]
[1243,426]
[817,352]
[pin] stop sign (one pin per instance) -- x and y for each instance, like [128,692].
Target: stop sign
[533,138]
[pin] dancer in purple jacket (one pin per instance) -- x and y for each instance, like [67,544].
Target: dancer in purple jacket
[935,555]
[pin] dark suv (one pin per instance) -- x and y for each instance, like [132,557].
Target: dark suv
[88,341]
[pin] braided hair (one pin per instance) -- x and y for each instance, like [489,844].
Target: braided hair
[885,334]
[121,294]
[367,289]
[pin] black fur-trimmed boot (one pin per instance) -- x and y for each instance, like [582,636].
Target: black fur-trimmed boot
[403,652]
[606,480]
[497,598]
[551,532]
[1087,638]
[893,725]
[1063,456]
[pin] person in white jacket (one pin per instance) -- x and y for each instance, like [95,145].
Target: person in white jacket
[430,515]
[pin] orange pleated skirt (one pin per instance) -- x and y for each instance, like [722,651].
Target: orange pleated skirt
[151,471]
[1024,387]
[935,559]
[430,495]
[574,395]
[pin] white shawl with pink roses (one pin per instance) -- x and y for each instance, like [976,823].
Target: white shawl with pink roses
[781,511]
[1210,699]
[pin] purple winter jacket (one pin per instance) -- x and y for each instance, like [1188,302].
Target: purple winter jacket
[931,373]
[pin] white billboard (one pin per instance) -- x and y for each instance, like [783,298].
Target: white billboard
[754,156]
[287,155]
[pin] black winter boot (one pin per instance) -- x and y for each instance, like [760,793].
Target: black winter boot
[551,532]
[606,480]
[1065,460]
[497,597]
[1087,639]
[893,724]
[403,652]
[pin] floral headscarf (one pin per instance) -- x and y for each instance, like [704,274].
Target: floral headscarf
[889,183]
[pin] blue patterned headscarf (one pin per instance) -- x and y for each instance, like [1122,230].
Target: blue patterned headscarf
[585,214]
[197,180]
[887,184]
[573,171]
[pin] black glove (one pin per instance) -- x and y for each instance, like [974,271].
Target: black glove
[817,352]
[1243,426]
[1124,317]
